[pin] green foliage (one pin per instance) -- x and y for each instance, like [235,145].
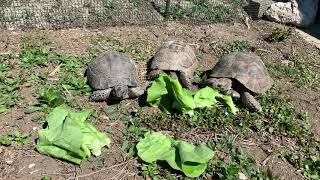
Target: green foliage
[35,54]
[300,70]
[279,35]
[51,97]
[14,136]
[9,91]
[238,46]
[108,4]
[306,158]
[285,119]
[201,9]
[239,162]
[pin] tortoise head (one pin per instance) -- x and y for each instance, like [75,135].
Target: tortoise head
[121,91]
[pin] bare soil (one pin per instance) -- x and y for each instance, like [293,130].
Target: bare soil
[15,161]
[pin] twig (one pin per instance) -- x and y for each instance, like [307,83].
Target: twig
[247,22]
[120,172]
[264,162]
[55,70]
[64,87]
[104,169]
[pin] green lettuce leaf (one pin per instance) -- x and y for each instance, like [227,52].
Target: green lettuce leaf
[69,137]
[167,94]
[153,146]
[190,159]
[158,95]
[206,97]
[229,102]
[194,159]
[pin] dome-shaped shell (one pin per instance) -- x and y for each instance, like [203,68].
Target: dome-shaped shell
[175,55]
[112,69]
[247,68]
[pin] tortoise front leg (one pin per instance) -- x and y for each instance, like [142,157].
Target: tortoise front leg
[249,101]
[154,73]
[135,92]
[100,95]
[173,74]
[186,81]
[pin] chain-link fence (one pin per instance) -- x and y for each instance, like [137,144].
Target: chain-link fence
[92,13]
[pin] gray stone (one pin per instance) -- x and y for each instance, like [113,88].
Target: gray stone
[256,8]
[301,13]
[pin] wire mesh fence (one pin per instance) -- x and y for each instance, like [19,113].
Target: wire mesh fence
[55,14]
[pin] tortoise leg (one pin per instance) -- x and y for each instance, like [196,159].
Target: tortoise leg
[100,95]
[173,74]
[186,81]
[135,92]
[153,74]
[249,101]
[234,94]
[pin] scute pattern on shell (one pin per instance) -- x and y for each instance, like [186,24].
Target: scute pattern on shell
[247,68]
[175,55]
[112,69]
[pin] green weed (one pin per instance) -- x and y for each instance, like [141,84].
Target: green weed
[279,35]
[300,70]
[14,136]
[200,9]
[9,91]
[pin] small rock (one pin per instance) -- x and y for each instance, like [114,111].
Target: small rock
[242,176]
[287,62]
[9,161]
[31,165]
[301,13]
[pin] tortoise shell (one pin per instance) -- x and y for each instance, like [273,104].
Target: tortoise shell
[112,69]
[175,55]
[246,68]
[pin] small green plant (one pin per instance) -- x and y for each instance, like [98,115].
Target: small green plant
[4,68]
[279,35]
[239,163]
[48,98]
[108,4]
[35,54]
[45,178]
[150,170]
[51,97]
[300,70]
[238,46]
[9,90]
[14,136]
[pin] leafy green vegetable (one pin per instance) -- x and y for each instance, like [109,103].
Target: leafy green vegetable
[206,97]
[69,137]
[167,94]
[229,102]
[180,155]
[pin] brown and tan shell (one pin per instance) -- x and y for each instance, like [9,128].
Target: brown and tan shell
[175,55]
[247,68]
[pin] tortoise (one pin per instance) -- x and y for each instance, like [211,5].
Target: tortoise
[241,75]
[113,75]
[176,58]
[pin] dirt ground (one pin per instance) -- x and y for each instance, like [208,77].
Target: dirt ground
[24,162]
